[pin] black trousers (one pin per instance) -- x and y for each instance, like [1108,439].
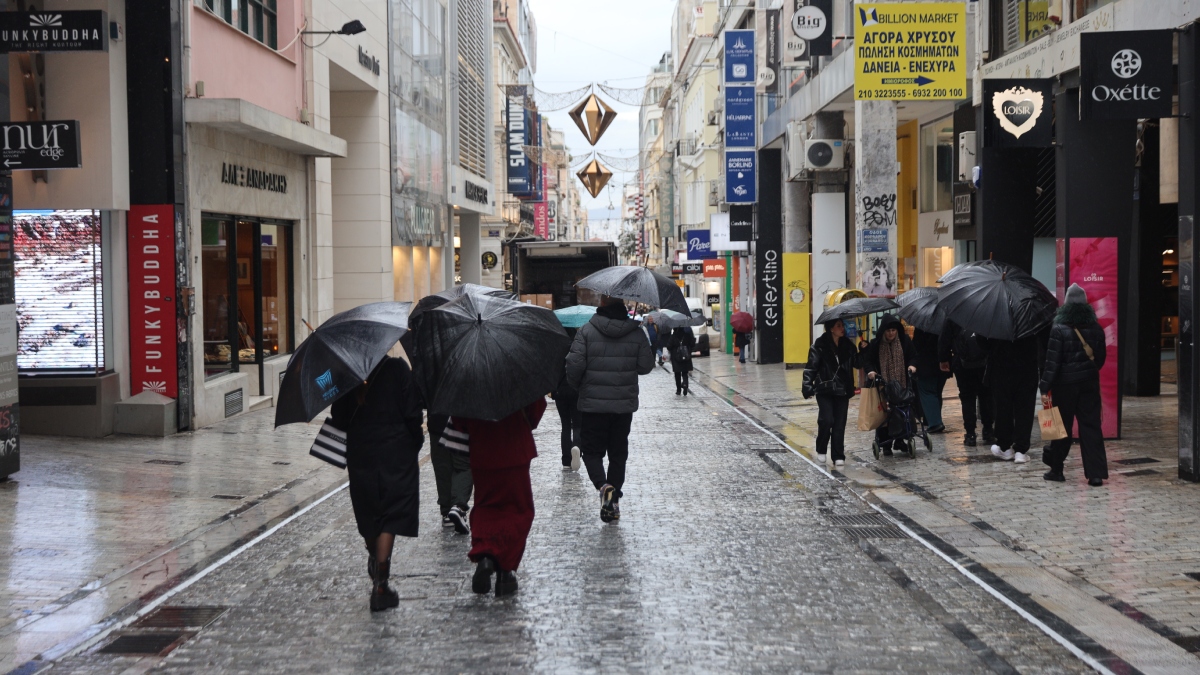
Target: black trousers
[601,434]
[451,470]
[568,415]
[1014,403]
[1080,402]
[681,379]
[970,390]
[831,424]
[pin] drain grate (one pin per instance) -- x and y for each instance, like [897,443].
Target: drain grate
[867,520]
[175,616]
[143,644]
[875,532]
[228,497]
[233,403]
[1137,460]
[168,462]
[1142,472]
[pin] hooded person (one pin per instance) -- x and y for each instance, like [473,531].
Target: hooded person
[962,353]
[608,354]
[891,356]
[1074,356]
[829,375]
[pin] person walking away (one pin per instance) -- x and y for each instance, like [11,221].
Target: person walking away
[892,356]
[741,341]
[606,358]
[829,375]
[566,399]
[683,341]
[382,420]
[1074,356]
[962,353]
[1012,373]
[500,455]
[930,380]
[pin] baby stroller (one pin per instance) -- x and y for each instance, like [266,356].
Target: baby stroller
[905,420]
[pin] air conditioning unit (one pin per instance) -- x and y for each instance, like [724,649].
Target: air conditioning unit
[825,155]
[714,118]
[966,155]
[714,192]
[795,150]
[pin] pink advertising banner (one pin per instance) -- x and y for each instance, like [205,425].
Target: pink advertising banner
[541,220]
[1093,265]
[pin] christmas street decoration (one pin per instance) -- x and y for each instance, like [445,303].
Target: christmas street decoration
[593,117]
[594,177]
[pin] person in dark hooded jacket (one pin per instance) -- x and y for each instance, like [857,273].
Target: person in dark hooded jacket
[681,345]
[1012,374]
[962,353]
[829,376]
[608,354]
[930,379]
[892,356]
[566,399]
[1074,356]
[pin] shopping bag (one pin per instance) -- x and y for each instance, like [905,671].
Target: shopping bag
[1051,424]
[871,414]
[330,445]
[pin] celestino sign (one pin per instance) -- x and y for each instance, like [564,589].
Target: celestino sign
[152,342]
[1126,75]
[1018,113]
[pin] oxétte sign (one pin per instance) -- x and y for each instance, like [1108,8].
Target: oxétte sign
[152,343]
[1126,75]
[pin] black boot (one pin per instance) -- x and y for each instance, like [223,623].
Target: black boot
[678,391]
[969,440]
[506,583]
[1055,475]
[382,596]
[482,581]
[988,436]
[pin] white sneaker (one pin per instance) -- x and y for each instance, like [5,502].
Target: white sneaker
[575,458]
[1019,458]
[1007,455]
[996,451]
[821,458]
[840,462]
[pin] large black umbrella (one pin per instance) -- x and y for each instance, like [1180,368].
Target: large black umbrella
[485,357]
[453,293]
[637,284]
[670,319]
[856,307]
[996,300]
[919,307]
[337,357]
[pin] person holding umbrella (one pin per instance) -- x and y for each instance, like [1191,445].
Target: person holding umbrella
[1074,357]
[962,353]
[566,400]
[829,375]
[743,326]
[930,379]
[892,356]
[606,358]
[682,343]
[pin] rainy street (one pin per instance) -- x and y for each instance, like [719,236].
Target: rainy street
[735,552]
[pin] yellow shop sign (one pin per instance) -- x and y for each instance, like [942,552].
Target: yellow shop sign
[910,51]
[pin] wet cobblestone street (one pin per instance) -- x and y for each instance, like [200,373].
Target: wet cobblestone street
[733,554]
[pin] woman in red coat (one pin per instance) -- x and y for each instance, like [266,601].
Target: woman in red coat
[503,514]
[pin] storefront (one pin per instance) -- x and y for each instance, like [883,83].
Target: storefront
[935,233]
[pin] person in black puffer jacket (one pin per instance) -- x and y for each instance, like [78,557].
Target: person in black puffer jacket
[962,353]
[829,376]
[609,353]
[1072,375]
[681,344]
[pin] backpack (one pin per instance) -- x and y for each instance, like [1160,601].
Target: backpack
[969,351]
[681,352]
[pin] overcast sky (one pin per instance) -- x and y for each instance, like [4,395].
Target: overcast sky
[616,42]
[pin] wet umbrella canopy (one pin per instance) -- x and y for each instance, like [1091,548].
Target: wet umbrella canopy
[453,293]
[637,284]
[996,300]
[485,357]
[742,322]
[337,357]
[575,317]
[670,319]
[919,307]
[854,308]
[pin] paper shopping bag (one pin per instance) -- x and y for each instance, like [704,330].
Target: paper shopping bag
[871,414]
[1050,421]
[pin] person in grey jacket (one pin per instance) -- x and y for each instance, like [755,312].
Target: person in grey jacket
[609,353]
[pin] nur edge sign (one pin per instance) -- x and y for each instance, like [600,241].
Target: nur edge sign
[60,31]
[1126,75]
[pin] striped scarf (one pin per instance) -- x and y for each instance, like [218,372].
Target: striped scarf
[891,361]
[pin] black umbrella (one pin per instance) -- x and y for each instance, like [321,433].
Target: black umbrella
[637,284]
[485,357]
[996,300]
[670,319]
[453,293]
[920,309]
[337,357]
[856,307]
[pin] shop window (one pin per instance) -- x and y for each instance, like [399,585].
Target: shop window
[937,166]
[1019,22]
[59,289]
[256,18]
[247,293]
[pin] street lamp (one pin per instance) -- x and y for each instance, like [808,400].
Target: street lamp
[349,28]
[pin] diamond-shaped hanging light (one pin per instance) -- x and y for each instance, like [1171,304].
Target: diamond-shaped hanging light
[593,117]
[594,177]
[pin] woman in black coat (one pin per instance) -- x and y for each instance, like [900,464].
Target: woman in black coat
[892,356]
[382,421]
[566,399]
[682,344]
[829,376]
[1074,356]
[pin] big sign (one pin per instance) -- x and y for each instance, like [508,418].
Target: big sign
[910,51]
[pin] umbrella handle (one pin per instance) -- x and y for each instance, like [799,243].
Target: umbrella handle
[308,325]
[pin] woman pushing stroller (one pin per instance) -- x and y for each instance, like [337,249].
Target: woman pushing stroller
[892,357]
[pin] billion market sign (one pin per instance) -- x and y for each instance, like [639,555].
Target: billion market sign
[62,31]
[912,50]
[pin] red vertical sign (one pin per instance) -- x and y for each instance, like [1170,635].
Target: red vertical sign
[1093,265]
[152,342]
[541,220]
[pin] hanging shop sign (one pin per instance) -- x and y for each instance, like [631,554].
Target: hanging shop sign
[516,138]
[768,268]
[699,245]
[541,220]
[152,340]
[773,52]
[687,267]
[59,31]
[910,51]
[741,223]
[40,145]
[718,227]
[714,269]
[489,260]
[739,57]
[797,307]
[740,117]
[809,29]
[964,223]
[1018,113]
[741,176]
[1126,75]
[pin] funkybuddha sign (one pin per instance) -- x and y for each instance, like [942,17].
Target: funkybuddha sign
[906,51]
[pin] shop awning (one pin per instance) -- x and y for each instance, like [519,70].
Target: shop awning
[238,116]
